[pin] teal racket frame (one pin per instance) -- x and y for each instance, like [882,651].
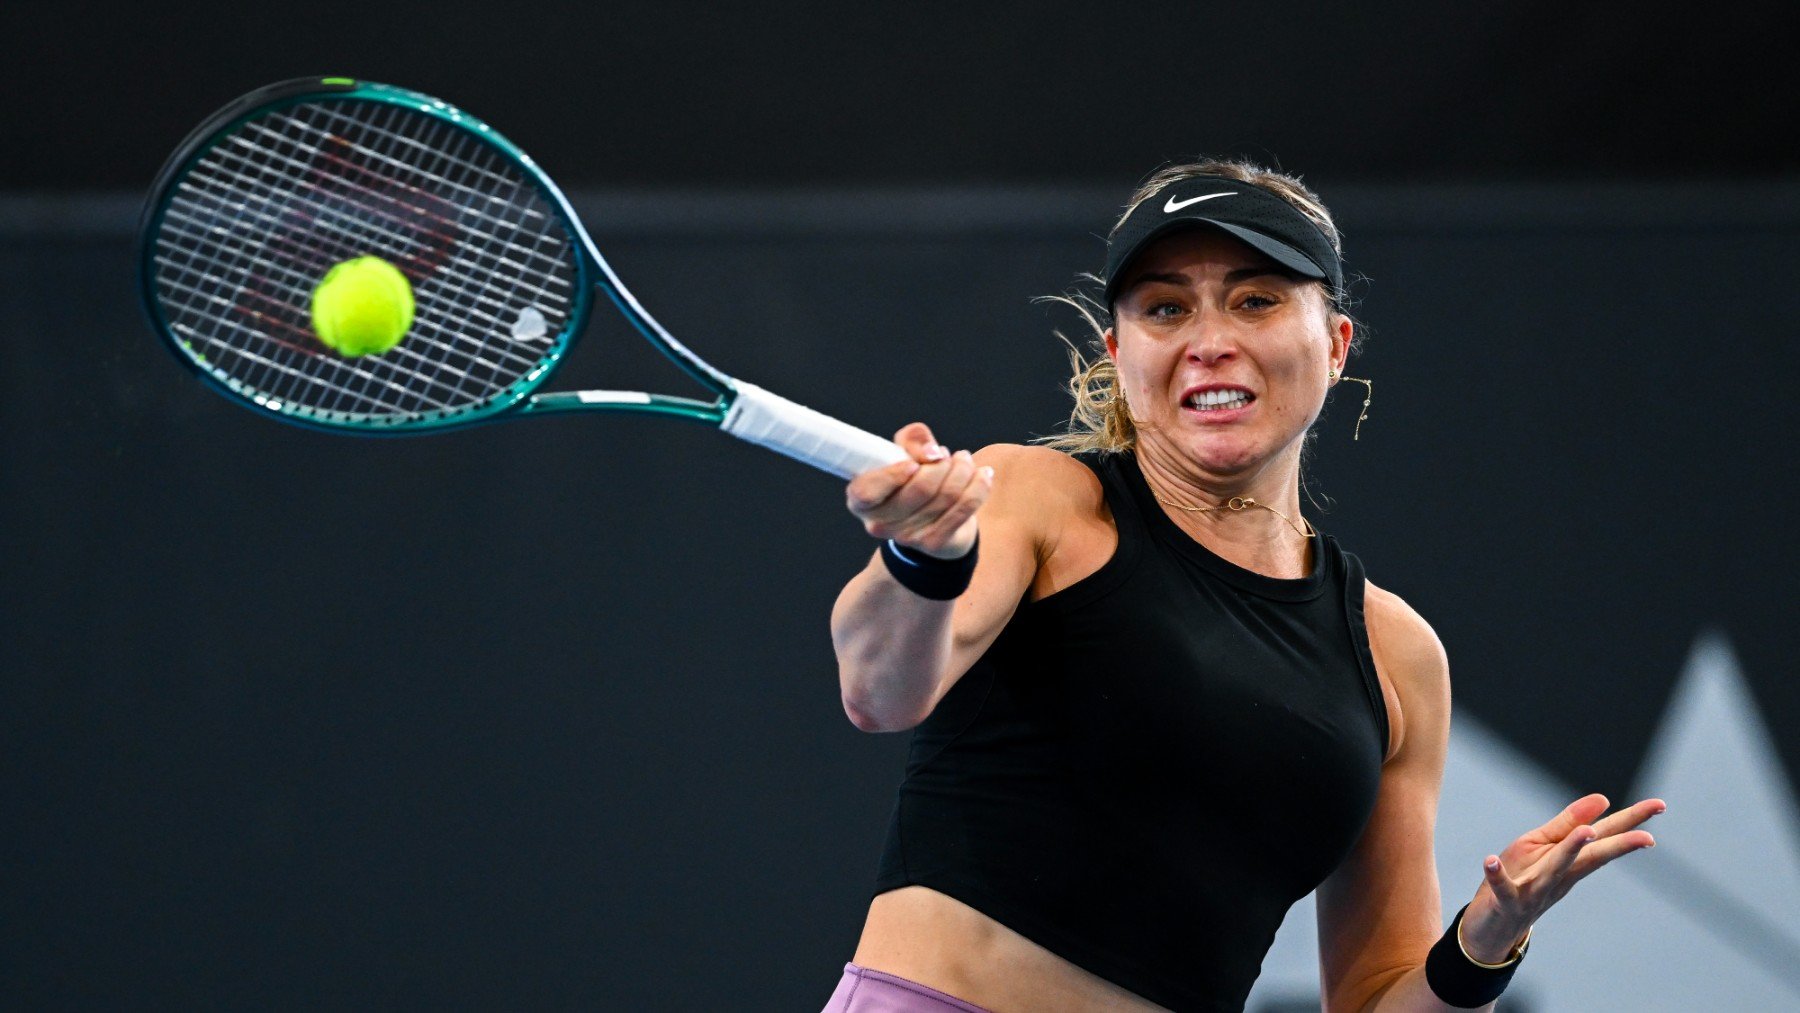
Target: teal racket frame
[516,400]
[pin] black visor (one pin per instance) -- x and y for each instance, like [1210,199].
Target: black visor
[1265,221]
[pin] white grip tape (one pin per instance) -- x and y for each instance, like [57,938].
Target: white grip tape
[773,421]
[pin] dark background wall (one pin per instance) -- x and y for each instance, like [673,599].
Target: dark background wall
[808,93]
[546,714]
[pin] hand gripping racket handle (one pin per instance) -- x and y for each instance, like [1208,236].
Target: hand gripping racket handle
[806,435]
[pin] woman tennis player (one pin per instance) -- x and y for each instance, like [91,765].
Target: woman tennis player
[1152,706]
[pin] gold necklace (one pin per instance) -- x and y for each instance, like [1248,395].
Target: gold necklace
[1237,503]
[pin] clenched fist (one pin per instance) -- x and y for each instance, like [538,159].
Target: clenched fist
[927,503]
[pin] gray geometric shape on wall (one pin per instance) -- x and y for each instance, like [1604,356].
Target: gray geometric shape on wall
[1709,919]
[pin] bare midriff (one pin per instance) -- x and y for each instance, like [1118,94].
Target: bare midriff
[940,942]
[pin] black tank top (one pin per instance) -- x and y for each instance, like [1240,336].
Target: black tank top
[1149,767]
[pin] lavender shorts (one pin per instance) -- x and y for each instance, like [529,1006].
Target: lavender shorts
[862,990]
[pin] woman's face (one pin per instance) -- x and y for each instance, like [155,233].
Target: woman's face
[1222,352]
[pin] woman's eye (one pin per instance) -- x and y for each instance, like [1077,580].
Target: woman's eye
[1163,310]
[1256,302]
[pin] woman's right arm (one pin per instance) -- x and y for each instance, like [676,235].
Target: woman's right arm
[899,652]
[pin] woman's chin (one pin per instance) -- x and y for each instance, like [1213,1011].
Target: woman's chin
[1215,450]
[1224,453]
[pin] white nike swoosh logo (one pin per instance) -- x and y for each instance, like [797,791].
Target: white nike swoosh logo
[1175,205]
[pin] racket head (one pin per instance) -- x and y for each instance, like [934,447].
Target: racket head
[269,192]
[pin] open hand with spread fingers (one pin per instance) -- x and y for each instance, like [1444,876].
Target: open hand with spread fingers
[1542,866]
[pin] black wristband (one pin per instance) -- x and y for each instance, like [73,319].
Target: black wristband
[929,576]
[1457,979]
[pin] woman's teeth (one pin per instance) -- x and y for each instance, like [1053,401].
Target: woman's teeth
[1219,400]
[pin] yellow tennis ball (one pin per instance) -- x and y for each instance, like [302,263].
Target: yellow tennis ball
[362,306]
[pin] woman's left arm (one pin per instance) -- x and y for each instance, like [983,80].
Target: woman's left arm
[1379,912]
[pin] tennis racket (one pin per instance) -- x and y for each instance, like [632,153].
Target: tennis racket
[274,189]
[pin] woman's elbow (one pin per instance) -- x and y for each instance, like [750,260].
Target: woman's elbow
[868,717]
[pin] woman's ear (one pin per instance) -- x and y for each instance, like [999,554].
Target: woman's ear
[1343,331]
[1112,345]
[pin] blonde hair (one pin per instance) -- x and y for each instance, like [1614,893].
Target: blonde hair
[1100,418]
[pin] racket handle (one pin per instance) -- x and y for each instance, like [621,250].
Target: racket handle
[773,421]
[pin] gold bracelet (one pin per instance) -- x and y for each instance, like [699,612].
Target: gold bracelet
[1517,951]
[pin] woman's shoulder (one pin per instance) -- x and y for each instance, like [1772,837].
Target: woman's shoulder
[1043,465]
[1055,497]
[1041,479]
[1411,661]
[1400,626]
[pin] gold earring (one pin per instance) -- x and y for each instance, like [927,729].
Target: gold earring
[1370,396]
[1331,374]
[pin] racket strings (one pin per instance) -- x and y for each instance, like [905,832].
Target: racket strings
[270,208]
[287,327]
[357,174]
[300,267]
[261,293]
[359,182]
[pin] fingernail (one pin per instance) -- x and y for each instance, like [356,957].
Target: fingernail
[1492,864]
[936,452]
[987,473]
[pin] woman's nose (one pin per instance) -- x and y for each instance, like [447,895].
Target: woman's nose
[1209,342]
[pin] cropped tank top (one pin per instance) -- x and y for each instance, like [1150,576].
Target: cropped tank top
[1149,767]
